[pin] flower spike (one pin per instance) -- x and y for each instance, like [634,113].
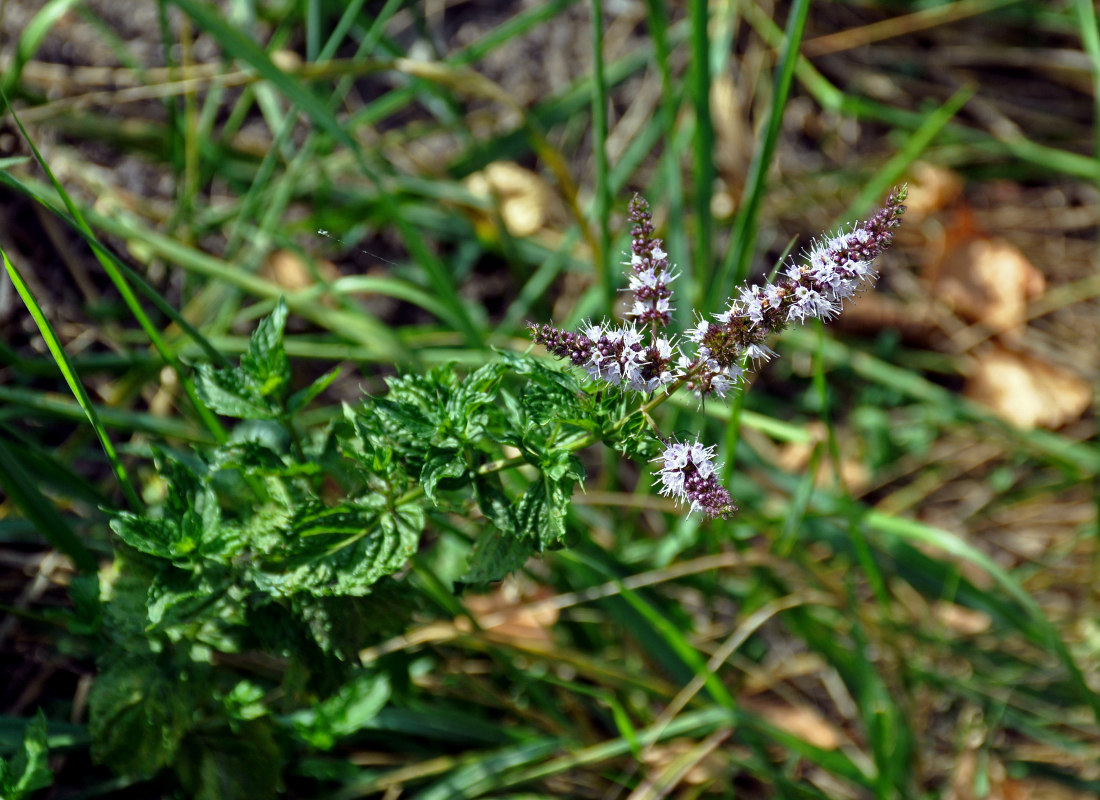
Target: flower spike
[636,357]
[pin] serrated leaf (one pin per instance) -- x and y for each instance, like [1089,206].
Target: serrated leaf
[561,465]
[233,393]
[153,536]
[538,371]
[250,457]
[495,505]
[467,410]
[549,402]
[354,706]
[29,770]
[441,464]
[178,596]
[242,763]
[541,511]
[495,555]
[405,419]
[178,538]
[343,551]
[266,363]
[140,709]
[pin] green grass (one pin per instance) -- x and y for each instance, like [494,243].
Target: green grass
[686,657]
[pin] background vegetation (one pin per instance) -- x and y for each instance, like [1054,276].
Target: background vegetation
[906,604]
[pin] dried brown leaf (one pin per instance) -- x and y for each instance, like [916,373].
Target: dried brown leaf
[932,188]
[1027,391]
[523,195]
[984,279]
[967,621]
[801,721]
[522,619]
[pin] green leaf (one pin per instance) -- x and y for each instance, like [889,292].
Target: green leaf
[141,706]
[242,763]
[179,596]
[266,363]
[495,505]
[237,44]
[351,709]
[153,536]
[406,422]
[469,408]
[233,393]
[190,521]
[495,555]
[343,550]
[541,511]
[256,388]
[441,464]
[28,771]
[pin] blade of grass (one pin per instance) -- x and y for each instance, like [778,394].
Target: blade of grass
[237,45]
[601,202]
[672,191]
[359,327]
[1080,458]
[30,39]
[1090,38]
[703,153]
[538,283]
[1040,630]
[831,98]
[134,278]
[735,266]
[41,513]
[891,172]
[23,400]
[47,471]
[208,418]
[667,633]
[71,378]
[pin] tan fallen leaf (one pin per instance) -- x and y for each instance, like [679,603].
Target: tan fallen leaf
[291,272]
[524,196]
[932,188]
[967,621]
[801,721]
[508,616]
[1026,391]
[984,279]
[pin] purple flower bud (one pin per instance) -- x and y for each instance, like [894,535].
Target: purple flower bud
[650,270]
[576,347]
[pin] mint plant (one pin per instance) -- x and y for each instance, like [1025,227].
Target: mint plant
[293,543]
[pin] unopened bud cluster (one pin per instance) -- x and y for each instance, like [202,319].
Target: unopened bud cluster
[639,357]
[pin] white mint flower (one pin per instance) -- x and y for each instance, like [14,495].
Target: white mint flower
[697,333]
[688,475]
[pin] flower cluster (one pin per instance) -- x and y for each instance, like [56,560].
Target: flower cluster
[637,357]
[689,475]
[650,274]
[834,270]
